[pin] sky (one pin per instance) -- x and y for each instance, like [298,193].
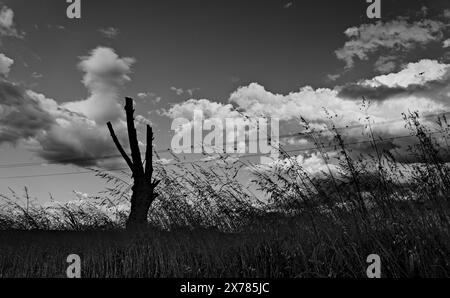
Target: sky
[62,79]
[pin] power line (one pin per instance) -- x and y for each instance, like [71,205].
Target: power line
[58,174]
[307,134]
[220,158]
[305,149]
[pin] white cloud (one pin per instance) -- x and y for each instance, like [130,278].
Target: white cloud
[417,73]
[73,135]
[143,121]
[447,13]
[178,91]
[36,75]
[191,91]
[81,196]
[164,161]
[105,70]
[153,96]
[428,79]
[61,132]
[21,117]
[288,4]
[256,101]
[5,65]
[385,64]
[446,43]
[210,109]
[105,74]
[394,35]
[313,164]
[143,95]
[316,106]
[110,32]
[321,106]
[7,26]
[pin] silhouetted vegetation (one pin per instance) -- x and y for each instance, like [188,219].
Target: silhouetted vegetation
[205,223]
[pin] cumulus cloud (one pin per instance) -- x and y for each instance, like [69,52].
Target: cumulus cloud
[209,108]
[21,116]
[313,105]
[58,134]
[317,105]
[426,77]
[105,73]
[207,113]
[426,82]
[423,86]
[417,73]
[398,35]
[72,132]
[7,25]
[5,65]
[72,138]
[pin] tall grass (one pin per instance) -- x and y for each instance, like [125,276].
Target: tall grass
[207,224]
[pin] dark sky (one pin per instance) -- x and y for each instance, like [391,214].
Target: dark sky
[202,44]
[211,47]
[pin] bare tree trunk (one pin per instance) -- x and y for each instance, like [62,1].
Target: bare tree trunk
[143,190]
[141,200]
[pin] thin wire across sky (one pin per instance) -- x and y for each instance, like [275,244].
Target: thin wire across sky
[241,156]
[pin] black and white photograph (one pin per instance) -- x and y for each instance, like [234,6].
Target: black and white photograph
[233,142]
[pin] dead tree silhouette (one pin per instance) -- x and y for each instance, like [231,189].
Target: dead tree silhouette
[143,190]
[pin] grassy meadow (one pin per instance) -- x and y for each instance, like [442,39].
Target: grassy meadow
[208,224]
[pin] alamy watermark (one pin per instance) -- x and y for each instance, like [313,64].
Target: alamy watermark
[74,268]
[374,269]
[74,9]
[374,9]
[259,136]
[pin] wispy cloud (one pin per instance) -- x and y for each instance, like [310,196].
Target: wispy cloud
[141,120]
[36,75]
[396,35]
[149,95]
[288,4]
[385,64]
[180,91]
[110,32]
